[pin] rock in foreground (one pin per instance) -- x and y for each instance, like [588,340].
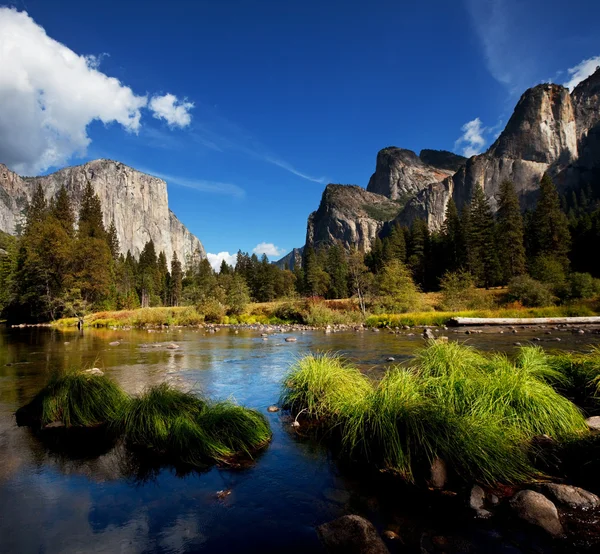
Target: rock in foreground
[351,535]
[536,509]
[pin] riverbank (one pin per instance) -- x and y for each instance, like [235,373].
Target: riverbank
[307,315]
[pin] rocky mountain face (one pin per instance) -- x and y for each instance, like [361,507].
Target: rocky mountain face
[351,215]
[400,174]
[291,260]
[136,202]
[551,130]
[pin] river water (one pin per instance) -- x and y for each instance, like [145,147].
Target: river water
[95,499]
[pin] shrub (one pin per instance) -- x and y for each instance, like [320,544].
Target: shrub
[458,290]
[212,310]
[529,292]
[549,270]
[289,311]
[581,285]
[397,290]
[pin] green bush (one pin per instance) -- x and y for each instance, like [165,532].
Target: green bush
[397,290]
[212,309]
[582,285]
[529,292]
[458,290]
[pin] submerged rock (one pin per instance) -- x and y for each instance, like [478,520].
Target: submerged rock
[272,409]
[439,474]
[536,509]
[428,334]
[114,343]
[570,496]
[593,423]
[172,346]
[351,535]
[94,371]
[477,502]
[291,339]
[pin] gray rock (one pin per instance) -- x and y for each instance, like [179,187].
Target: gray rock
[400,172]
[172,346]
[291,339]
[351,534]
[536,509]
[428,334]
[136,202]
[573,497]
[593,423]
[272,409]
[477,502]
[390,359]
[114,343]
[438,474]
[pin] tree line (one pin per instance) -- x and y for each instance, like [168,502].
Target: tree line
[58,266]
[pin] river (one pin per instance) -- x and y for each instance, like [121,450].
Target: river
[95,499]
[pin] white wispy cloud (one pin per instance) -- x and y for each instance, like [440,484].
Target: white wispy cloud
[269,249]
[291,169]
[218,133]
[202,185]
[174,111]
[581,71]
[472,141]
[215,260]
[511,46]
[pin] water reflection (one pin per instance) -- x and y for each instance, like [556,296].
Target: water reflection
[103,497]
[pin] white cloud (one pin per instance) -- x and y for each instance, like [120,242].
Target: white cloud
[269,249]
[291,169]
[582,71]
[214,187]
[49,95]
[216,259]
[174,111]
[472,139]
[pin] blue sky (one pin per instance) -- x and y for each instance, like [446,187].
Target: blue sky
[248,109]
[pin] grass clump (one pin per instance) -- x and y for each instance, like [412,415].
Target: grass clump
[165,421]
[321,385]
[479,413]
[181,425]
[76,399]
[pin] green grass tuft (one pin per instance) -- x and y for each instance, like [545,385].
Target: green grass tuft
[478,412]
[77,400]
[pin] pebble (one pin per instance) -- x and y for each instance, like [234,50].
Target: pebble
[291,339]
[273,409]
[114,343]
[172,346]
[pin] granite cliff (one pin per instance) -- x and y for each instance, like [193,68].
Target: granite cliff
[551,130]
[136,202]
[400,173]
[351,215]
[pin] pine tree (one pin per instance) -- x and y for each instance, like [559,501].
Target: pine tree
[146,273]
[176,280]
[113,240]
[225,268]
[452,238]
[63,211]
[482,250]
[238,295]
[418,248]
[336,267]
[37,210]
[162,278]
[551,227]
[509,233]
[394,245]
[90,215]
